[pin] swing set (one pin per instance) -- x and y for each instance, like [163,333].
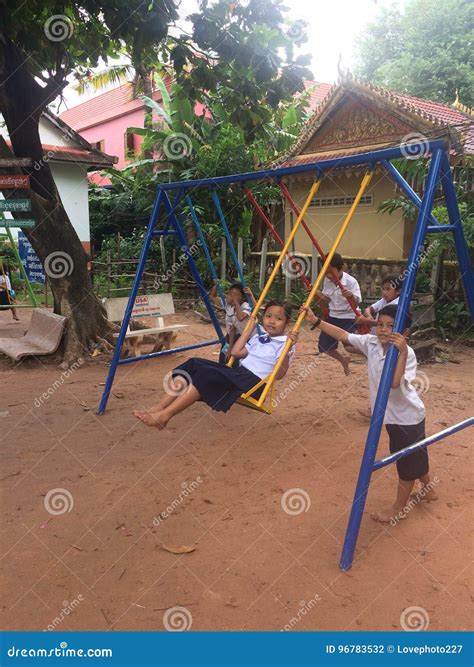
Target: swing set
[260,396]
[7,225]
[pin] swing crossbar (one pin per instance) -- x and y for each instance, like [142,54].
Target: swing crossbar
[430,440]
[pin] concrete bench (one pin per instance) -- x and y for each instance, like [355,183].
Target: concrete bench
[43,336]
[152,307]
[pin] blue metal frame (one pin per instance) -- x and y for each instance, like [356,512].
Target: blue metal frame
[426,223]
[172,227]
[194,217]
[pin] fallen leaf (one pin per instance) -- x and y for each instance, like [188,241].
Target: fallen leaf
[96,352]
[178,548]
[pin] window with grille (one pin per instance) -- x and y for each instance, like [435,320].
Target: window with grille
[323,202]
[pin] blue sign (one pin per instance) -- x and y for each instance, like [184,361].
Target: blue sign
[30,260]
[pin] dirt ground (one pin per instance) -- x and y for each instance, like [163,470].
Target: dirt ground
[88,502]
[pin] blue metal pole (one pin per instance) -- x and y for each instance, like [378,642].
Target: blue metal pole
[462,252]
[440,228]
[403,185]
[430,440]
[164,353]
[371,157]
[131,301]
[381,400]
[192,265]
[217,204]
[206,249]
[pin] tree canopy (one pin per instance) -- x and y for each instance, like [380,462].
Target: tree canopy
[425,50]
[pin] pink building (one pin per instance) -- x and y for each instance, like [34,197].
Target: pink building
[104,119]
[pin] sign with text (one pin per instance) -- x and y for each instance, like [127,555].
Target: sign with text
[15,162]
[15,205]
[16,181]
[27,224]
[29,259]
[146,305]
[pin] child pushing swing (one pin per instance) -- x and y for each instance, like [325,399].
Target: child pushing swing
[220,386]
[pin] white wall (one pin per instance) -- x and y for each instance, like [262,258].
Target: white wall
[71,182]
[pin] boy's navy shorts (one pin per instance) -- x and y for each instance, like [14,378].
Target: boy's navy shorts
[326,342]
[415,465]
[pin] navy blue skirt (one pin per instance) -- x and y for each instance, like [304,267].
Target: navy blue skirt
[218,386]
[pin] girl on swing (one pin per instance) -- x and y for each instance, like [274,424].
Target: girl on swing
[220,386]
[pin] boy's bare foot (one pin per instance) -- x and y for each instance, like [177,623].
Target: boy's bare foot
[17,319]
[345,364]
[156,419]
[391,515]
[425,493]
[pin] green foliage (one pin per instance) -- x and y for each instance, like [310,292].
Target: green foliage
[426,50]
[452,318]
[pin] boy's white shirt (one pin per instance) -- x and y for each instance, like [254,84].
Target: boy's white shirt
[262,357]
[404,406]
[6,281]
[231,319]
[377,307]
[338,304]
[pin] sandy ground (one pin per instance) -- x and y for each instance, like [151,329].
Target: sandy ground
[264,500]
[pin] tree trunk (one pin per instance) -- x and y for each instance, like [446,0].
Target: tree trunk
[53,237]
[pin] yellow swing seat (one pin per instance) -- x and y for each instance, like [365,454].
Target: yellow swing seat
[248,401]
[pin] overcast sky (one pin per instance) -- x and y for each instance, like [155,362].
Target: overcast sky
[332,32]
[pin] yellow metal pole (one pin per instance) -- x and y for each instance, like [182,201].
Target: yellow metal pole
[271,378]
[281,257]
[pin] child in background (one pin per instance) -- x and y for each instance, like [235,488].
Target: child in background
[340,312]
[7,295]
[237,310]
[405,412]
[220,386]
[391,287]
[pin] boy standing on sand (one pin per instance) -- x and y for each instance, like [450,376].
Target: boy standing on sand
[405,412]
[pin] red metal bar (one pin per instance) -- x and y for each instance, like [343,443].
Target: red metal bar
[278,238]
[314,241]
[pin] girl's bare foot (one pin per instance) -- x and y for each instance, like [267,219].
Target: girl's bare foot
[392,515]
[156,419]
